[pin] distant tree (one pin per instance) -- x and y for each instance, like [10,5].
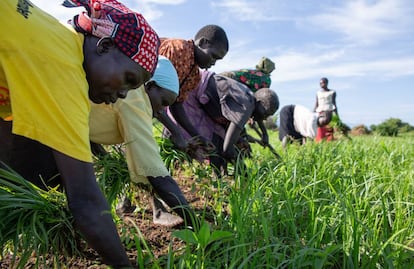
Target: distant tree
[406,128]
[391,127]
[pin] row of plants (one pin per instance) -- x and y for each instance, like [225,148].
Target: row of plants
[343,204]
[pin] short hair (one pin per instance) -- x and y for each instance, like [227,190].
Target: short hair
[215,34]
[326,80]
[269,99]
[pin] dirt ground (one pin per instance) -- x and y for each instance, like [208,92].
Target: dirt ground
[157,237]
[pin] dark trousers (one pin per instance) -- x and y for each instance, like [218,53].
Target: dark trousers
[31,159]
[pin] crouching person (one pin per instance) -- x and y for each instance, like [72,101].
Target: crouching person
[297,123]
[129,121]
[44,126]
[220,107]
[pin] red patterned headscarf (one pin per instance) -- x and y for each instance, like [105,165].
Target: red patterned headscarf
[129,30]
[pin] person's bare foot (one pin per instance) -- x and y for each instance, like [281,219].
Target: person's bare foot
[161,216]
[166,219]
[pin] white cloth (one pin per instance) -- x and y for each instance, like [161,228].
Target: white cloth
[305,121]
[325,100]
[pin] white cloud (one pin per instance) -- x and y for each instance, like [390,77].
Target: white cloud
[294,66]
[254,11]
[162,2]
[367,22]
[148,8]
[56,9]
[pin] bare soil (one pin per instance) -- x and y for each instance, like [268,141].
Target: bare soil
[157,238]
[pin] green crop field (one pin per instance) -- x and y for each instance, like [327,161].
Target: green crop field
[342,204]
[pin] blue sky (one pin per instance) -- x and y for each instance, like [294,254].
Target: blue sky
[364,47]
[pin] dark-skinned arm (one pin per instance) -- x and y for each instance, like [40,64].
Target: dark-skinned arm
[176,135]
[98,150]
[169,191]
[177,110]
[90,210]
[232,136]
[229,152]
[334,103]
[263,130]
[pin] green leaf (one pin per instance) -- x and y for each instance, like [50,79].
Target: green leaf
[186,235]
[204,235]
[218,235]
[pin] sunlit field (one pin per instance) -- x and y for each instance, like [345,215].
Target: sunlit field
[342,204]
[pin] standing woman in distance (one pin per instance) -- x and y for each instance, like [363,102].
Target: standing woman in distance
[325,101]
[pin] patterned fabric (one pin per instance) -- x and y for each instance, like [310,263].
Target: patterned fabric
[181,53]
[254,79]
[5,109]
[129,30]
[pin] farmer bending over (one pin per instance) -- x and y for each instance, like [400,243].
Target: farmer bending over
[297,123]
[220,107]
[129,121]
[209,45]
[48,74]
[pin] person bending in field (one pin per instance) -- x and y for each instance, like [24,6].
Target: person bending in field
[49,72]
[129,121]
[220,107]
[256,78]
[188,56]
[297,123]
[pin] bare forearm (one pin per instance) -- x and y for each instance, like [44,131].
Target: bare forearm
[168,123]
[90,209]
[265,136]
[176,135]
[232,135]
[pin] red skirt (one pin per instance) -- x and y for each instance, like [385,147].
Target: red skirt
[324,133]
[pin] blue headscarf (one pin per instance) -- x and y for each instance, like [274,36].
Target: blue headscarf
[165,75]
